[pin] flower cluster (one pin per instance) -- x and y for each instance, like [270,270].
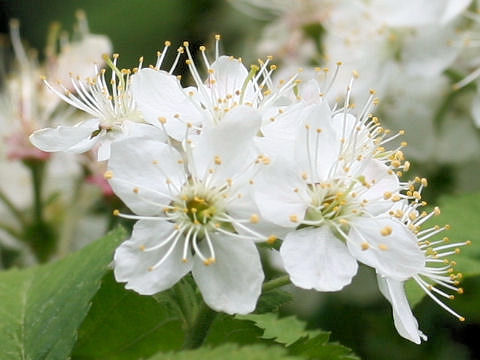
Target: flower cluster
[417,53]
[211,170]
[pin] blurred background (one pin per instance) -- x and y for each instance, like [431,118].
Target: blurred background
[359,317]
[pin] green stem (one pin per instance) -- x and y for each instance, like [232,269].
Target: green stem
[9,204]
[10,230]
[36,169]
[197,333]
[185,305]
[276,283]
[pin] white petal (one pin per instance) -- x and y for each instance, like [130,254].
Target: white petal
[142,169]
[419,12]
[381,180]
[315,259]
[230,75]
[405,322]
[316,147]
[159,94]
[244,208]
[232,140]
[396,255]
[280,194]
[284,125]
[234,282]
[132,264]
[104,151]
[76,139]
[134,129]
[428,52]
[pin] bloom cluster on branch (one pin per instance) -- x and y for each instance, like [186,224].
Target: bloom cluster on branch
[238,159]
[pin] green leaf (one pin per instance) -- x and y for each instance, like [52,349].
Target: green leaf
[292,333]
[227,329]
[230,352]
[461,212]
[231,329]
[415,294]
[124,325]
[286,330]
[319,348]
[272,300]
[42,307]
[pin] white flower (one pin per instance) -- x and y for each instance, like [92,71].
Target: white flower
[114,113]
[332,184]
[228,85]
[437,277]
[194,211]
[26,104]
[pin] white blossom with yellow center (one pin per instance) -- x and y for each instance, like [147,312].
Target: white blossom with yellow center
[332,183]
[227,85]
[195,213]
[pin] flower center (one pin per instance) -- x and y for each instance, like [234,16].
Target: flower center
[330,202]
[199,210]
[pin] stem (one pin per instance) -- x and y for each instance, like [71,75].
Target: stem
[197,333]
[186,306]
[275,283]
[9,204]
[36,169]
[70,220]
[10,230]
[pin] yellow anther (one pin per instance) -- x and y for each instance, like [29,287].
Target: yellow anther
[365,246]
[460,290]
[387,230]
[293,218]
[142,247]
[136,190]
[271,239]
[387,195]
[383,247]
[116,212]
[217,160]
[254,219]
[209,261]
[108,174]
[162,120]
